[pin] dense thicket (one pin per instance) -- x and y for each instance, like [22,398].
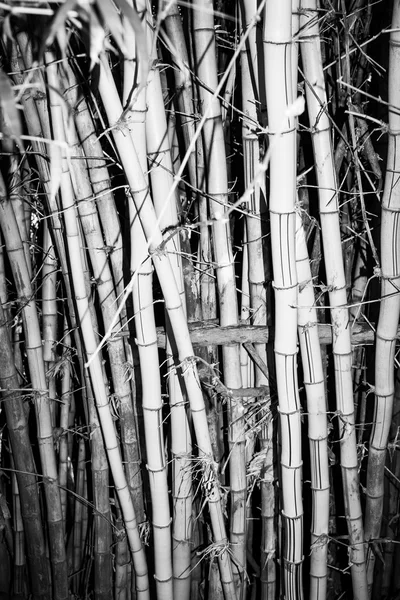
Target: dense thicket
[199,299]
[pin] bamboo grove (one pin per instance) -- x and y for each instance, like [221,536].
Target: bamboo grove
[199,300]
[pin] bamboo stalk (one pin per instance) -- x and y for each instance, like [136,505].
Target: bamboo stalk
[99,258]
[161,178]
[146,339]
[101,398]
[388,314]
[152,411]
[282,134]
[217,190]
[26,496]
[329,215]
[33,345]
[314,382]
[258,292]
[177,319]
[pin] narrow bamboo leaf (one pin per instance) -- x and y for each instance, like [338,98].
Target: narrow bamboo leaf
[57,23]
[96,40]
[130,13]
[112,21]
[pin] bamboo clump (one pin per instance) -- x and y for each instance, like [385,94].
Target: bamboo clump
[199,300]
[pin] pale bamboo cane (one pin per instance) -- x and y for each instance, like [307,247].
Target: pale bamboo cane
[176,316]
[161,178]
[314,383]
[329,215]
[33,345]
[389,310]
[81,298]
[99,258]
[146,340]
[26,496]
[282,133]
[258,292]
[217,189]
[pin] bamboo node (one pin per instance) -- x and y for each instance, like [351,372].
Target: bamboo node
[321,541]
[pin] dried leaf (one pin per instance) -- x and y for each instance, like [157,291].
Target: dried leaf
[9,107]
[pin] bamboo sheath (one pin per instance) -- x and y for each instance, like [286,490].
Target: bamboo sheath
[314,383]
[100,393]
[176,316]
[389,310]
[34,353]
[282,134]
[217,189]
[329,215]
